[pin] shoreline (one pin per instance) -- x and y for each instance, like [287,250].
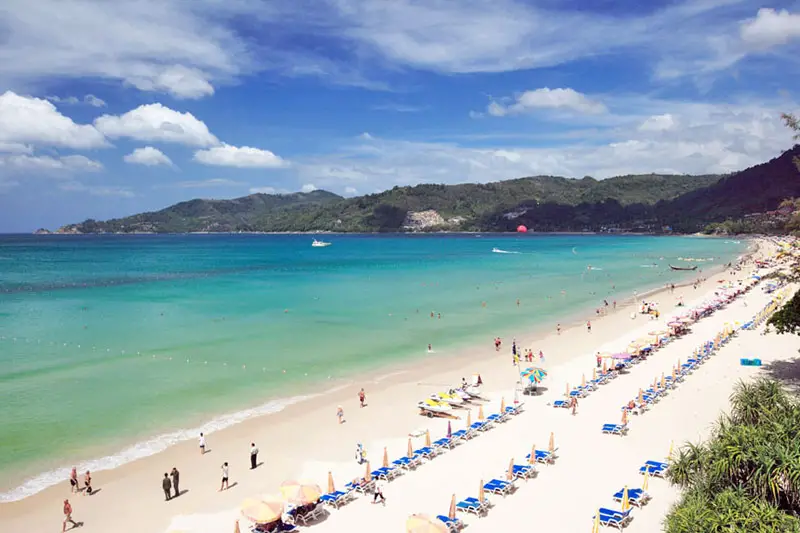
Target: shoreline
[465,354]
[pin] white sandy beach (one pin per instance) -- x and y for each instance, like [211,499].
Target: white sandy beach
[304,441]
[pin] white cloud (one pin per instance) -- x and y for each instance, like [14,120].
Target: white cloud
[399,108]
[94,101]
[308,187]
[771,28]
[43,163]
[15,148]
[89,99]
[204,184]
[155,122]
[148,156]
[351,191]
[34,120]
[263,190]
[180,81]
[227,155]
[658,123]
[546,98]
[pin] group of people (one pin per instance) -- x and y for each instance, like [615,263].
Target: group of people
[75,485]
[168,484]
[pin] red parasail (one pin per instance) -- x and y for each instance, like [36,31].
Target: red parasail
[522,229]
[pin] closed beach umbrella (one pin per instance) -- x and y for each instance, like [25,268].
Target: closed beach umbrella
[596,526]
[420,523]
[566,391]
[449,430]
[626,502]
[674,374]
[368,473]
[624,416]
[552,447]
[510,474]
[261,512]
[646,480]
[605,367]
[502,405]
[583,380]
[385,458]
[469,418]
[428,438]
[331,486]
[236,527]
[594,374]
[663,382]
[451,514]
[300,493]
[532,459]
[481,497]
[410,451]
[641,397]
[480,412]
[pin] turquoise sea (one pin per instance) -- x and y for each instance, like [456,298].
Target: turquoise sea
[113,347]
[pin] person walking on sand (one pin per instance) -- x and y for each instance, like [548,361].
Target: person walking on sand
[68,517]
[253,456]
[574,404]
[378,493]
[588,326]
[87,484]
[166,484]
[224,484]
[362,397]
[202,444]
[176,480]
[73,480]
[558,329]
[340,414]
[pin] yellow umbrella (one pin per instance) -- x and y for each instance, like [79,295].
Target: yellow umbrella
[480,412]
[626,503]
[663,382]
[261,512]
[583,380]
[300,493]
[236,527]
[596,526]
[469,418]
[532,459]
[331,486]
[420,523]
[428,438]
[641,397]
[624,417]
[502,405]
[410,451]
[674,375]
[451,514]
[671,446]
[552,447]
[481,497]
[385,458]
[605,367]
[510,473]
[646,480]
[368,473]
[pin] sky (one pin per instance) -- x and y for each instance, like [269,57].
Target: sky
[113,108]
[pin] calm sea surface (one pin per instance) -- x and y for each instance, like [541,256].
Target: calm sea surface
[114,347]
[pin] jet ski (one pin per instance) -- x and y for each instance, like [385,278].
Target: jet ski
[451,399]
[432,406]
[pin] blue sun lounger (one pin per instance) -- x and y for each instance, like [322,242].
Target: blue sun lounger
[472,505]
[495,418]
[461,434]
[336,499]
[453,524]
[385,473]
[612,518]
[561,403]
[615,429]
[444,442]
[636,497]
[514,409]
[497,486]
[479,426]
[522,471]
[425,452]
[405,462]
[657,469]
[542,456]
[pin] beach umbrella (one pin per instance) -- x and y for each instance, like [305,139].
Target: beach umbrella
[368,473]
[671,446]
[596,526]
[481,497]
[626,502]
[594,374]
[410,452]
[331,486]
[300,493]
[480,412]
[603,354]
[451,514]
[641,397]
[552,447]
[532,458]
[510,474]
[622,356]
[624,416]
[236,527]
[674,375]
[449,430]
[385,458]
[583,380]
[663,381]
[605,368]
[469,418]
[566,391]
[428,438]
[646,480]
[261,512]
[420,523]
[502,405]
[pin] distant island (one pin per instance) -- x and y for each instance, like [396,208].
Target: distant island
[746,201]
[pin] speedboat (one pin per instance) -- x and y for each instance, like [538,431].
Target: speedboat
[319,244]
[451,399]
[433,406]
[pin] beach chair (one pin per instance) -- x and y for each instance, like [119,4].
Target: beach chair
[497,486]
[610,521]
[514,409]
[385,473]
[636,497]
[406,463]
[479,426]
[561,403]
[336,499]
[578,393]
[543,456]
[522,471]
[314,514]
[362,486]
[496,417]
[444,442]
[453,524]
[461,434]
[622,515]
[472,505]
[426,452]
[615,429]
[653,470]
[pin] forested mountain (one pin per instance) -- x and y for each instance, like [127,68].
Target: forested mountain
[543,203]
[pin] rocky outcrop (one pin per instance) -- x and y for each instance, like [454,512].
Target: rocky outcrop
[417,220]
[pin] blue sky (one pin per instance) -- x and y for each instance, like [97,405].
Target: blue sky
[112,108]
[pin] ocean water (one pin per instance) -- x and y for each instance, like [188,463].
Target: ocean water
[114,347]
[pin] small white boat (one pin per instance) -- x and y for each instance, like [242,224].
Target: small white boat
[433,406]
[474,391]
[319,244]
[451,399]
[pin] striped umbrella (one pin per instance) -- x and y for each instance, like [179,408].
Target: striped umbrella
[260,511]
[300,493]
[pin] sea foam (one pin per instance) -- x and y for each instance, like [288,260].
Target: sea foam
[146,448]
